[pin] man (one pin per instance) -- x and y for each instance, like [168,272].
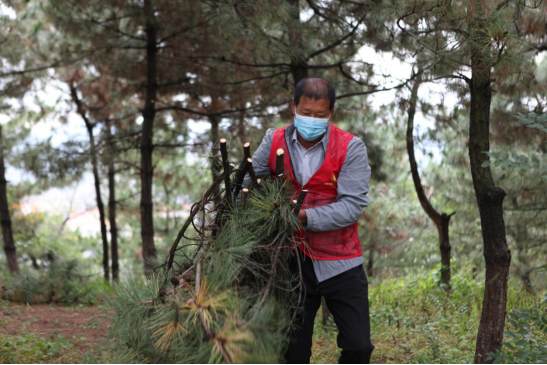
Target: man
[333,166]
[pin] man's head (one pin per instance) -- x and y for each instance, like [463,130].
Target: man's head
[314,97]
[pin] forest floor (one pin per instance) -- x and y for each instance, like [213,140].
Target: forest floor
[47,333]
[52,334]
[413,320]
[79,334]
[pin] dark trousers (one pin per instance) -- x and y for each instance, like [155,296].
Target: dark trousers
[346,295]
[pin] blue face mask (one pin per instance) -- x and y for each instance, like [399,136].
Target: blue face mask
[310,128]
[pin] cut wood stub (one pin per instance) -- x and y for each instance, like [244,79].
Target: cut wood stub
[247,150]
[226,167]
[280,163]
[244,197]
[300,201]
[251,170]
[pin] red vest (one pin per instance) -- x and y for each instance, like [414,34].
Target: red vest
[322,189]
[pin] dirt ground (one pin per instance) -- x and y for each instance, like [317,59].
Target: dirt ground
[88,325]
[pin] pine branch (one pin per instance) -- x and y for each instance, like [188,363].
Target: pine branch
[338,42]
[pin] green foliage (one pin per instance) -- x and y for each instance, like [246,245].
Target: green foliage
[29,348]
[414,320]
[112,355]
[62,282]
[241,310]
[525,338]
[518,161]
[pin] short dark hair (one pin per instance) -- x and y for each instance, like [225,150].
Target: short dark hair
[315,88]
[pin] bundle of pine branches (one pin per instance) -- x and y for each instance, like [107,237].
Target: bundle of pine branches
[224,292]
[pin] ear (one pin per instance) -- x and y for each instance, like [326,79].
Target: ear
[293,107]
[332,113]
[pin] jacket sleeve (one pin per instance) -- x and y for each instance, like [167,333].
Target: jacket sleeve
[353,186]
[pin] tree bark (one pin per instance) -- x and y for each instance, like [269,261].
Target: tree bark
[441,221]
[168,210]
[216,166]
[370,264]
[444,244]
[241,128]
[97,181]
[112,206]
[147,148]
[299,66]
[490,202]
[7,232]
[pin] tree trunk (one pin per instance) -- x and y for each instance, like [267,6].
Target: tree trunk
[241,128]
[112,207]
[299,65]
[444,243]
[441,221]
[34,261]
[168,210]
[95,169]
[490,202]
[216,166]
[7,233]
[100,205]
[149,113]
[370,264]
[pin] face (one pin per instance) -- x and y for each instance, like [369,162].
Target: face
[313,108]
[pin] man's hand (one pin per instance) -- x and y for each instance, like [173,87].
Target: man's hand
[302,216]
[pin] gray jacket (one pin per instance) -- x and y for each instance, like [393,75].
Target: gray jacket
[353,184]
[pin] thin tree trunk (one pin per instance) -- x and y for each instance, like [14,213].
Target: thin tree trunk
[34,261]
[370,264]
[149,113]
[167,213]
[299,66]
[95,169]
[490,202]
[216,166]
[523,269]
[441,221]
[241,128]
[444,243]
[112,207]
[7,233]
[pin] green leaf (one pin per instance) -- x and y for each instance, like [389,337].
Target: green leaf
[509,333]
[38,26]
[542,118]
[521,343]
[486,163]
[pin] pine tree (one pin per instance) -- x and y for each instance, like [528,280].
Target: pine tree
[476,37]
